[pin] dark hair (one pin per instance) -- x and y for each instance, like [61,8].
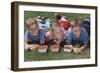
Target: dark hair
[57,15]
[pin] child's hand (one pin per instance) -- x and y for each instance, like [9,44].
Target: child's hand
[31,46]
[77,50]
[81,49]
[34,47]
[69,46]
[27,46]
[56,41]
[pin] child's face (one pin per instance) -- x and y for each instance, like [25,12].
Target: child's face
[76,31]
[33,28]
[58,32]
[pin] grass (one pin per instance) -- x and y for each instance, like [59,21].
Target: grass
[50,15]
[35,56]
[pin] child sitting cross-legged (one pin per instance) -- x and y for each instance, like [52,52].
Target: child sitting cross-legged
[76,35]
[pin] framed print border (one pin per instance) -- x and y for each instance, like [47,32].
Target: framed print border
[15,35]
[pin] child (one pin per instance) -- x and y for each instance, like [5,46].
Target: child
[39,19]
[86,24]
[77,35]
[44,24]
[56,35]
[33,35]
[62,21]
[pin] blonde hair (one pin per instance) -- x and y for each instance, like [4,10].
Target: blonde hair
[54,26]
[30,21]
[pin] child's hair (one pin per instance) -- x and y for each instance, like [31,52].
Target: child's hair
[30,21]
[75,23]
[55,25]
[57,15]
[43,18]
[38,17]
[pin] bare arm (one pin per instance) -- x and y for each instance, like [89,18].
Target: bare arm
[84,46]
[79,50]
[28,46]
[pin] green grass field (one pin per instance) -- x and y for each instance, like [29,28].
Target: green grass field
[35,56]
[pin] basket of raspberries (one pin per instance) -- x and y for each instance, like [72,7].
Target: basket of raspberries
[55,48]
[67,48]
[42,48]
